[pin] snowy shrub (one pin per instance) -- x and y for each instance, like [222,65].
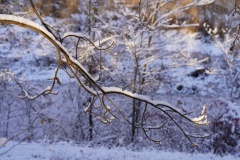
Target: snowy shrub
[225,126]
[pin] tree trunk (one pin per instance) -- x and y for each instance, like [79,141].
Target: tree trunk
[90,122]
[134,101]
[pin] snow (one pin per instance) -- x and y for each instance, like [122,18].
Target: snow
[5,47]
[234,110]
[200,120]
[36,27]
[3,141]
[191,45]
[204,2]
[86,109]
[70,151]
[181,54]
[32,25]
[13,19]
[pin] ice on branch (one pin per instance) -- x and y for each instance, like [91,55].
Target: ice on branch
[202,119]
[108,108]
[203,2]
[86,109]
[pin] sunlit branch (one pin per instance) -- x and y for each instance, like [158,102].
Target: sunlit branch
[77,71]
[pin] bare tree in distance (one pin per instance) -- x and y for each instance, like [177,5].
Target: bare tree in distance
[235,46]
[102,102]
[158,14]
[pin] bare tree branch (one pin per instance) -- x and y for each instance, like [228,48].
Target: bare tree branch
[155,17]
[102,93]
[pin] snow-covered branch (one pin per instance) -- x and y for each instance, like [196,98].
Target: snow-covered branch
[103,94]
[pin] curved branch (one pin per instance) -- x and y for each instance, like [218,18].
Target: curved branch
[145,130]
[44,24]
[79,36]
[101,92]
[23,22]
[110,90]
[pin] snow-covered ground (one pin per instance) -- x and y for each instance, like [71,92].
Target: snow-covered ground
[69,151]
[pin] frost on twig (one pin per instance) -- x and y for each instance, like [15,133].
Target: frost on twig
[48,90]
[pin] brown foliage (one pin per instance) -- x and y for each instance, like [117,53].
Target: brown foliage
[58,8]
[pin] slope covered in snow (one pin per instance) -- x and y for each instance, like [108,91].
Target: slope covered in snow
[71,151]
